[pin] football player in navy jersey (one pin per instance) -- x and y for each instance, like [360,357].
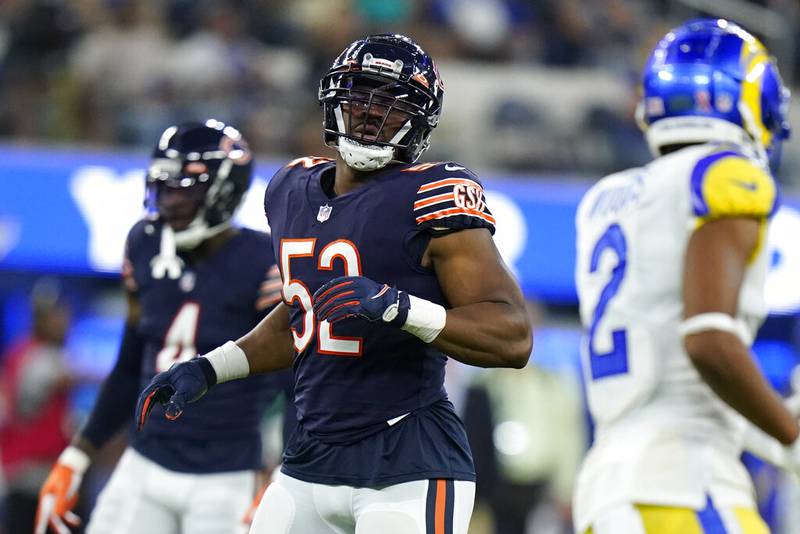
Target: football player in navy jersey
[388,268]
[192,281]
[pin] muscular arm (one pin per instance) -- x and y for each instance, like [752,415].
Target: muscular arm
[115,404]
[715,265]
[269,346]
[487,325]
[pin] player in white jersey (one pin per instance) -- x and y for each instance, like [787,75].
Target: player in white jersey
[670,270]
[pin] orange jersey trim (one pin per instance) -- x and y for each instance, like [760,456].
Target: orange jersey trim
[419,167]
[450,212]
[444,197]
[448,181]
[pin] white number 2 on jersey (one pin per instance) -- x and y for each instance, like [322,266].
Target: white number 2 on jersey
[181,338]
[296,290]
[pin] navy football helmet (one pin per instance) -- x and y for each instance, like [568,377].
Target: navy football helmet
[381,98]
[209,159]
[711,80]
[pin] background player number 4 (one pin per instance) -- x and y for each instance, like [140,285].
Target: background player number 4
[179,343]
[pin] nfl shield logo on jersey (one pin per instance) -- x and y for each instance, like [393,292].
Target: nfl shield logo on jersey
[324,213]
[186,283]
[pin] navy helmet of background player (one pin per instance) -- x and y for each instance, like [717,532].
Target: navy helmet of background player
[211,163]
[184,296]
[423,279]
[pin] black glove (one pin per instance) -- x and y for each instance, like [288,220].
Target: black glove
[183,382]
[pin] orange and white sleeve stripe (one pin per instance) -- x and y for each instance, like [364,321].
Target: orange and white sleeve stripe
[453,203]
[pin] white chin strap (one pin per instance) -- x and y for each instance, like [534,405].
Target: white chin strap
[197,232]
[364,158]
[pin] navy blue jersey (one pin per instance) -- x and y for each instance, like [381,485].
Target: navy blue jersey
[212,301]
[353,379]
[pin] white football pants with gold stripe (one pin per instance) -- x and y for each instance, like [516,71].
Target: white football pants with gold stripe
[142,497]
[292,506]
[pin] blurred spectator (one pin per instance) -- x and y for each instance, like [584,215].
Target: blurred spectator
[35,384]
[527,434]
[608,138]
[35,37]
[326,26]
[116,72]
[221,70]
[120,68]
[524,137]
[380,16]
[213,68]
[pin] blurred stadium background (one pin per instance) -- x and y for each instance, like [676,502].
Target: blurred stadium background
[539,100]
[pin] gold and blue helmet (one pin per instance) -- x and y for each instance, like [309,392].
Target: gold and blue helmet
[711,80]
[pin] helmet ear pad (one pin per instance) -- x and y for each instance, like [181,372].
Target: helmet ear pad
[419,143]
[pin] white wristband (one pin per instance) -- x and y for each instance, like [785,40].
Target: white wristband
[75,459]
[229,362]
[425,319]
[715,321]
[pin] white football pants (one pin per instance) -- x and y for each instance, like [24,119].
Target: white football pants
[292,506]
[142,497]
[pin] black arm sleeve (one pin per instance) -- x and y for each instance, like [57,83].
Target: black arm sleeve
[479,423]
[289,411]
[117,399]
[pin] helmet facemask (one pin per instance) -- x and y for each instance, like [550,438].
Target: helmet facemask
[381,98]
[194,190]
[374,120]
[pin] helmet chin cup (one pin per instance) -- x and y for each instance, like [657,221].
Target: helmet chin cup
[192,236]
[364,158]
[197,232]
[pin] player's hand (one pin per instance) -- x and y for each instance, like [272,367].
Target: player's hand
[358,296]
[59,494]
[182,383]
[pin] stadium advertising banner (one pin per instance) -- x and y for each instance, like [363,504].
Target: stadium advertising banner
[69,211]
